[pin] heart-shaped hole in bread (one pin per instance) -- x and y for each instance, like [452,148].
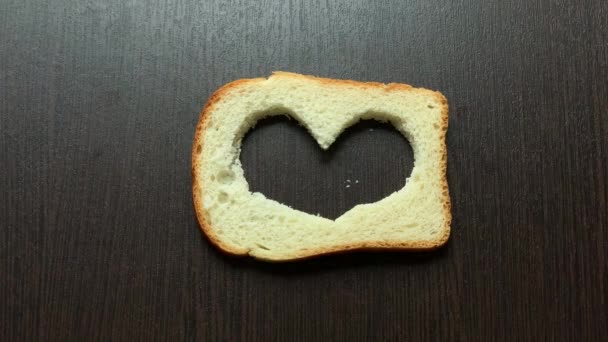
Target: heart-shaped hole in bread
[369,161]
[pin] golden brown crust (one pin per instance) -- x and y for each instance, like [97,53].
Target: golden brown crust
[199,140]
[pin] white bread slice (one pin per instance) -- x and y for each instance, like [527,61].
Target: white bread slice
[239,222]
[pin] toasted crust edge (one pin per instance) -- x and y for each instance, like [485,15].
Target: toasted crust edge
[207,229]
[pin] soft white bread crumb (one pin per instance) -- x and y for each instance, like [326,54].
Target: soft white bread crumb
[240,222]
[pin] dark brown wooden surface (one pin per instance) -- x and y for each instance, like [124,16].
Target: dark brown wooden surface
[98,105]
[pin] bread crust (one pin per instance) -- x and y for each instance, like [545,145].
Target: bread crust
[197,162]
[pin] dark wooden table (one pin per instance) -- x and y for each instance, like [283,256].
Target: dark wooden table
[98,105]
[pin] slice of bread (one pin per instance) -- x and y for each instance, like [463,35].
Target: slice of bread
[240,222]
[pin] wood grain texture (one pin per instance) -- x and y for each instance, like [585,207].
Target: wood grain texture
[98,104]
